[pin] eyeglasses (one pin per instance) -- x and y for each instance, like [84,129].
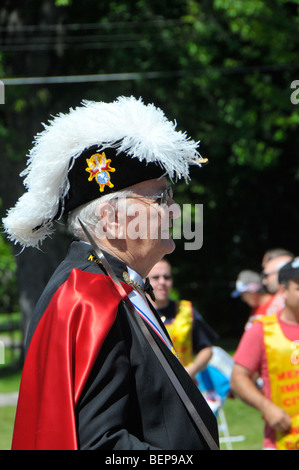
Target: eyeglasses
[167,277]
[264,275]
[161,199]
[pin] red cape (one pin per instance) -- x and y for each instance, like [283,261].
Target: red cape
[60,357]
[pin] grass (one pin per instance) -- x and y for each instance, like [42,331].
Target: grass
[9,382]
[241,419]
[7,416]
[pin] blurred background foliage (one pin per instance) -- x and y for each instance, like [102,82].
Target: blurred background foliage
[8,290]
[221,68]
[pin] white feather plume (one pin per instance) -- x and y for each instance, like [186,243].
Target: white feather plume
[141,131]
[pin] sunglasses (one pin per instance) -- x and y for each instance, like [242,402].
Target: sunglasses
[167,277]
[264,275]
[161,199]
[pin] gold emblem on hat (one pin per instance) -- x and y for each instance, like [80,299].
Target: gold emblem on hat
[100,169]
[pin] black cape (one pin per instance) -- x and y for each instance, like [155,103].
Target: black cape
[127,402]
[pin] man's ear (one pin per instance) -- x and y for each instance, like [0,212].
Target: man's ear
[110,224]
[282,290]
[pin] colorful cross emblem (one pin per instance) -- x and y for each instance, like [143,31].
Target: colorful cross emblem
[100,169]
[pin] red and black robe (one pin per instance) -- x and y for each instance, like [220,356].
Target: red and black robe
[91,380]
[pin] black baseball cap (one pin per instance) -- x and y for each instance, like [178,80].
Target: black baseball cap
[289,271]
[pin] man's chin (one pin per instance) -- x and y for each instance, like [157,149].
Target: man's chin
[169,246]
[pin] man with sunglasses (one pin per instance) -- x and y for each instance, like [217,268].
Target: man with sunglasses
[270,348]
[271,283]
[100,371]
[192,337]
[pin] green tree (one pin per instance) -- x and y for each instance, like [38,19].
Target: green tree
[8,290]
[223,69]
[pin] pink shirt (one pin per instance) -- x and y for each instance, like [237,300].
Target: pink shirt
[252,355]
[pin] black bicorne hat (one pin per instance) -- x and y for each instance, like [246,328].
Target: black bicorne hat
[98,172]
[93,150]
[289,271]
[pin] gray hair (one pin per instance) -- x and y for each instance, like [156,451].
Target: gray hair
[88,213]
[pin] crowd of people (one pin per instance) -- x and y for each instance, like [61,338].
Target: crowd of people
[265,373]
[191,336]
[266,370]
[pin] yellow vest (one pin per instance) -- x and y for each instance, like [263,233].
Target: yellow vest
[180,332]
[283,367]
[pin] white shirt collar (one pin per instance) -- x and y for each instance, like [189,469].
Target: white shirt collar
[135,277]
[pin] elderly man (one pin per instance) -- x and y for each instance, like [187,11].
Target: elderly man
[192,337]
[100,370]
